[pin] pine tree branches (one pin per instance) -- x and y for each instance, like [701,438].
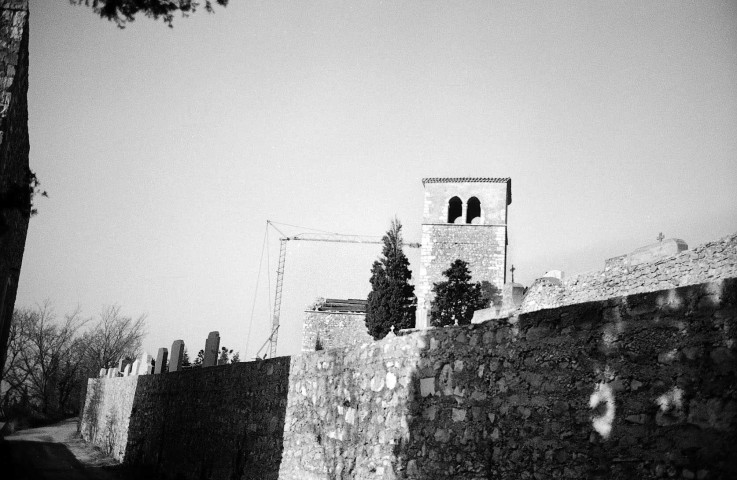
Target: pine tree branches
[392,300]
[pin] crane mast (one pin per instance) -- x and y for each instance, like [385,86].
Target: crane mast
[308,237]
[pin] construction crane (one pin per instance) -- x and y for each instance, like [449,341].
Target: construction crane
[308,237]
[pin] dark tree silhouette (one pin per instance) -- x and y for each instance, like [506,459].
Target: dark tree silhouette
[456,298]
[124,11]
[392,300]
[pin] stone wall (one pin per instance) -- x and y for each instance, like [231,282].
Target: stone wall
[326,330]
[192,424]
[632,387]
[106,415]
[641,386]
[704,263]
[14,148]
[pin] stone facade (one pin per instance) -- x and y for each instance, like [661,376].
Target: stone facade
[625,276]
[335,323]
[480,240]
[14,148]
[640,386]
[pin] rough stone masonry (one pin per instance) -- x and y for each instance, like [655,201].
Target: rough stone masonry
[636,386]
[14,148]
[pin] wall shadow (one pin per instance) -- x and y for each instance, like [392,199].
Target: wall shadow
[216,422]
[32,460]
[528,398]
[630,387]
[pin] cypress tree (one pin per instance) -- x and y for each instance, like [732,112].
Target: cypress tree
[456,298]
[392,298]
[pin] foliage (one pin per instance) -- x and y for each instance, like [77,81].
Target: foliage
[124,11]
[456,298]
[490,294]
[199,359]
[19,197]
[50,359]
[42,366]
[227,356]
[392,300]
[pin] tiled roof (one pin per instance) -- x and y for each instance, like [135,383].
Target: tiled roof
[337,305]
[506,180]
[465,180]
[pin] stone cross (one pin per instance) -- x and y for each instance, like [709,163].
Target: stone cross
[212,349]
[161,361]
[512,271]
[177,354]
[661,237]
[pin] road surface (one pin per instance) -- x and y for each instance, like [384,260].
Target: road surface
[57,452]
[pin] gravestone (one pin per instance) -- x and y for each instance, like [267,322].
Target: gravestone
[212,349]
[144,368]
[177,354]
[136,367]
[127,371]
[103,373]
[161,361]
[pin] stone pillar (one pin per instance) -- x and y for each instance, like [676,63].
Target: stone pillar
[127,371]
[177,354]
[120,365]
[103,373]
[212,350]
[136,367]
[161,361]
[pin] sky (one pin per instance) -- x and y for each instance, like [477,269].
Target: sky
[165,151]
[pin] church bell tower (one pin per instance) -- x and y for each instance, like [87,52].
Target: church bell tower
[464,218]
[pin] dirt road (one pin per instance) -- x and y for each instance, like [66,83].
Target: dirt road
[57,452]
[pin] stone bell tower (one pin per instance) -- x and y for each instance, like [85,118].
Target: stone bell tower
[464,218]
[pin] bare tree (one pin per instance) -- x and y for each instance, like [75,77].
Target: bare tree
[42,352]
[49,360]
[114,337]
[14,378]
